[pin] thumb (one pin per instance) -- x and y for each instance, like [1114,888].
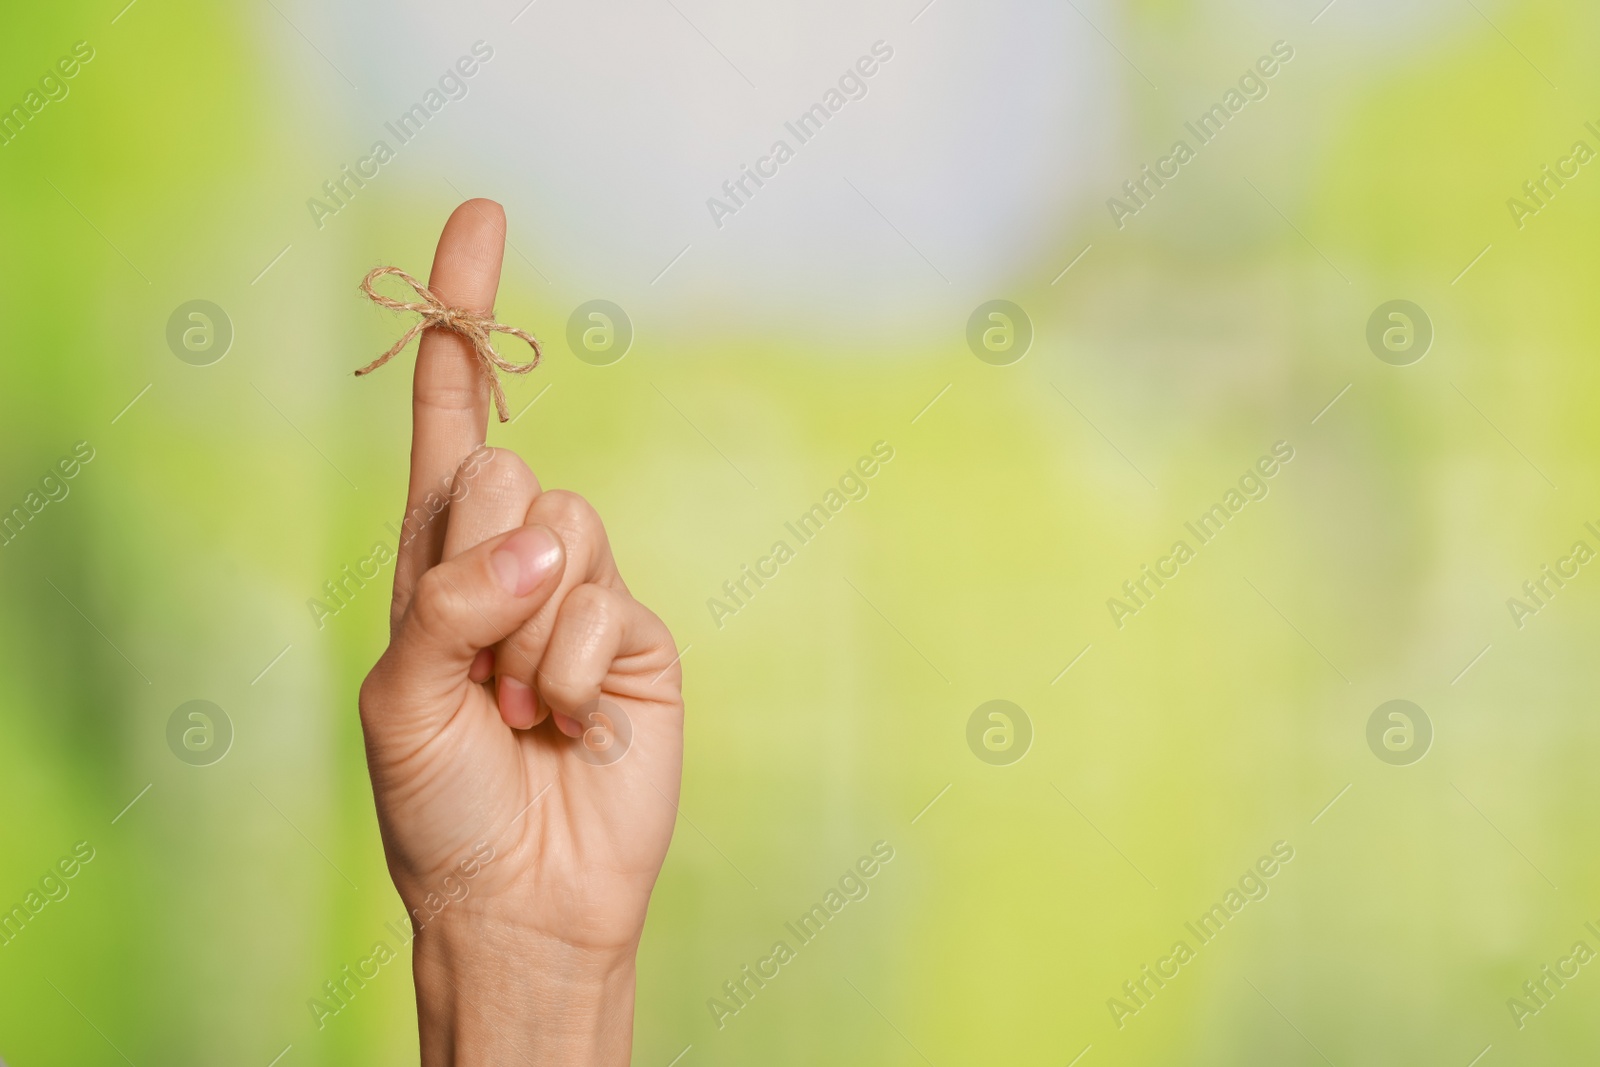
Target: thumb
[467,603]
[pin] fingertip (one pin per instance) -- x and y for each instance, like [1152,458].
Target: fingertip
[516,703]
[483,207]
[482,666]
[466,265]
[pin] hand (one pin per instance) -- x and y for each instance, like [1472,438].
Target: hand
[518,665]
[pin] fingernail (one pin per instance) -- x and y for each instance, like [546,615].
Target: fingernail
[525,558]
[516,703]
[570,727]
[482,666]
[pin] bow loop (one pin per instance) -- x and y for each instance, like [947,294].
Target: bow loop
[474,327]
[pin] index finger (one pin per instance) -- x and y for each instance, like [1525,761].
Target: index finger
[450,396]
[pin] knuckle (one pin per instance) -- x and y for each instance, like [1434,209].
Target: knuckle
[499,472]
[578,525]
[473,461]
[443,397]
[586,624]
[371,692]
[589,610]
[376,689]
[569,513]
[654,625]
[518,655]
[434,607]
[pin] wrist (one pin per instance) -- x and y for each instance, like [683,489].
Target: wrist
[491,993]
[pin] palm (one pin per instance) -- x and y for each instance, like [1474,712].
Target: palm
[577,844]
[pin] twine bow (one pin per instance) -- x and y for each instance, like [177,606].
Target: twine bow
[474,327]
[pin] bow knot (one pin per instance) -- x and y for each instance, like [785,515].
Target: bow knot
[474,327]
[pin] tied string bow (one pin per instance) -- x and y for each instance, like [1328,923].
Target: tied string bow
[474,327]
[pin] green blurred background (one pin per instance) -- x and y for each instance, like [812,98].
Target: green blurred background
[828,713]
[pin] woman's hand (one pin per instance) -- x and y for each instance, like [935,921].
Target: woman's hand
[524,728]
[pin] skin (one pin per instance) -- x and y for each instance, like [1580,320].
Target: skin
[509,621]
